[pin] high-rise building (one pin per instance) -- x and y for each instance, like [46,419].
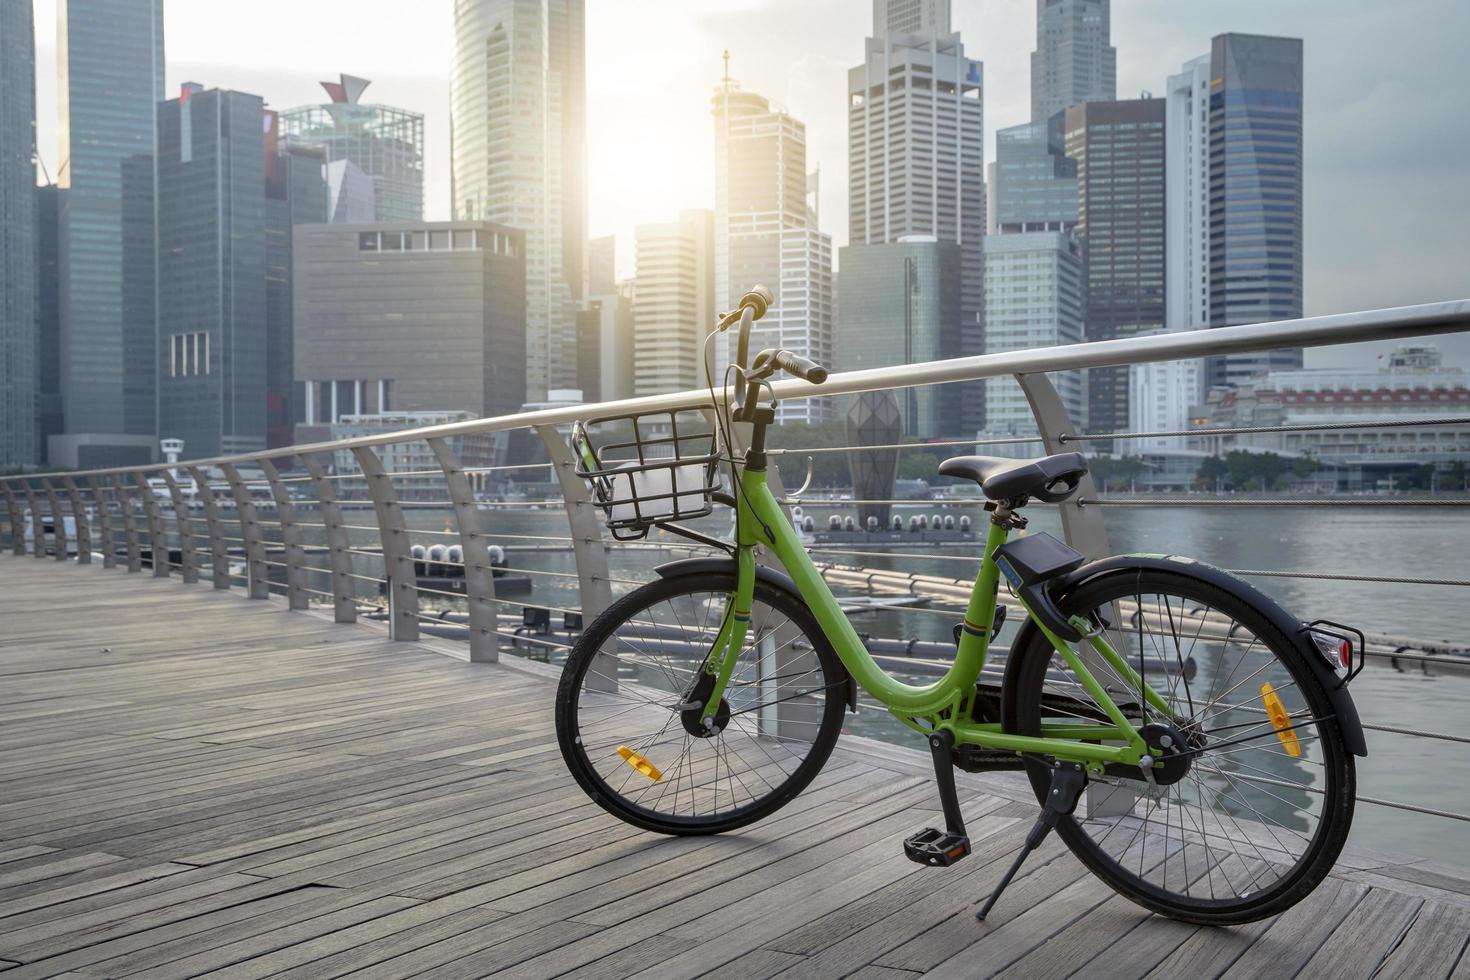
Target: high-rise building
[1033,183]
[602,266]
[409,317]
[1118,148]
[673,303]
[605,345]
[915,128]
[48,315]
[766,233]
[1035,296]
[18,369]
[110,64]
[1255,193]
[1073,61]
[900,305]
[385,143]
[517,95]
[351,197]
[295,194]
[212,311]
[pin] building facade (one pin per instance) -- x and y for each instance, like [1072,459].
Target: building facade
[409,317]
[1033,183]
[1074,60]
[766,233]
[110,66]
[213,332]
[915,128]
[1118,148]
[517,156]
[385,143]
[900,305]
[673,303]
[1036,296]
[18,246]
[295,194]
[1255,256]
[48,316]
[605,345]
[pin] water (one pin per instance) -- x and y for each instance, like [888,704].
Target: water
[1389,542]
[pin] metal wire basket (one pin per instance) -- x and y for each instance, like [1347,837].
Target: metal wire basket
[666,471]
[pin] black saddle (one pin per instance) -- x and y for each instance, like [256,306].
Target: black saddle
[1050,478]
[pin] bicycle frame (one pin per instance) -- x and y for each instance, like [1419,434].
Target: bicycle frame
[946,703]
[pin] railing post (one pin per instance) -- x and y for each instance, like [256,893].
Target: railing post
[38,533]
[58,519]
[339,555]
[296,595]
[157,533]
[398,573]
[130,526]
[79,517]
[17,530]
[1082,519]
[588,548]
[257,572]
[109,547]
[219,552]
[188,565]
[479,577]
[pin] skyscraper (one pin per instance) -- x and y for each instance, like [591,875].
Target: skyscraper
[48,316]
[1033,183]
[1255,193]
[110,64]
[915,125]
[385,143]
[212,310]
[766,233]
[1073,61]
[673,303]
[517,96]
[18,369]
[1187,188]
[295,194]
[1118,148]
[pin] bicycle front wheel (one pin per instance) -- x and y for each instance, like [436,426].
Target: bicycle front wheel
[1254,808]
[629,710]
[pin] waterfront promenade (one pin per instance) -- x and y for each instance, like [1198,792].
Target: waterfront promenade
[192,782]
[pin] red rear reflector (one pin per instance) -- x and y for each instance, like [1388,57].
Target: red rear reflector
[1345,653]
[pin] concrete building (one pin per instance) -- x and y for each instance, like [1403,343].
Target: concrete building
[1255,256]
[1161,395]
[385,143]
[673,303]
[1073,61]
[409,317]
[1033,183]
[1035,296]
[295,194]
[1118,148]
[900,305]
[766,233]
[1414,383]
[110,65]
[517,104]
[212,312]
[18,368]
[915,127]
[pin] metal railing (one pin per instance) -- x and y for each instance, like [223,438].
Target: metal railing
[293,531]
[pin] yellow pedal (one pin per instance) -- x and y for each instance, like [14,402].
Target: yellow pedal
[641,764]
[1281,721]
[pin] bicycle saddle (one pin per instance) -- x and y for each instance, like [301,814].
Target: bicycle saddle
[1049,478]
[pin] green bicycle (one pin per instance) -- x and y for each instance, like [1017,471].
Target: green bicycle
[1190,742]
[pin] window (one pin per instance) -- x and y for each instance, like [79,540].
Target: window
[439,240]
[464,238]
[367,241]
[188,354]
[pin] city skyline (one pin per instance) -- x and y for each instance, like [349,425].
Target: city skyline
[1380,72]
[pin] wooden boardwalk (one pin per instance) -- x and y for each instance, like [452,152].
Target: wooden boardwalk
[193,783]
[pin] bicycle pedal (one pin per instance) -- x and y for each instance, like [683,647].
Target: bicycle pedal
[936,848]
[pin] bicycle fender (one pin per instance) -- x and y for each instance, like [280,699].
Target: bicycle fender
[1343,707]
[771,576]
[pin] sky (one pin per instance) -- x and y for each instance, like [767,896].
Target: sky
[1387,104]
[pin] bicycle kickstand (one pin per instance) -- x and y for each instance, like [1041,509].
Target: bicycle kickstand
[941,848]
[1068,779]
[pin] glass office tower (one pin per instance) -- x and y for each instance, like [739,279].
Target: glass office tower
[17,237]
[110,67]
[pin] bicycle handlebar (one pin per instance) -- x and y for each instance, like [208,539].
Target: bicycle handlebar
[803,367]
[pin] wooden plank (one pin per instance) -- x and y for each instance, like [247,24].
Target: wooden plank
[1431,947]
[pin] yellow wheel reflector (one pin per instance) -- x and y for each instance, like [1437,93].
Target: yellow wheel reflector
[643,765]
[1281,721]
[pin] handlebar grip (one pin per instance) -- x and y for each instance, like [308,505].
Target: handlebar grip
[802,367]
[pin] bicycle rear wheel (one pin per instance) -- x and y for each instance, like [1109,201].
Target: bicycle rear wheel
[629,721]
[1253,813]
